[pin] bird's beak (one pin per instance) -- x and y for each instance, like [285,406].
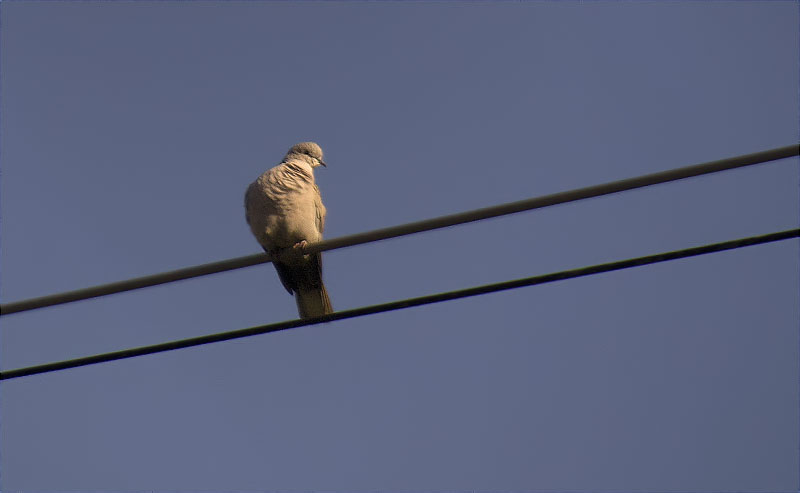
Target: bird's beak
[323,163]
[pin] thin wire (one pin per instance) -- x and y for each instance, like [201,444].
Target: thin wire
[409,228]
[399,305]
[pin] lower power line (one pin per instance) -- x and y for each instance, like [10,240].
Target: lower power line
[398,305]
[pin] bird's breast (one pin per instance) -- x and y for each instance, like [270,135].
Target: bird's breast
[282,209]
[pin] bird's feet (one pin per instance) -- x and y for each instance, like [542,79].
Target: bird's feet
[294,254]
[300,247]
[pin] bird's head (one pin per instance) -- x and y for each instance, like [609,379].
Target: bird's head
[309,152]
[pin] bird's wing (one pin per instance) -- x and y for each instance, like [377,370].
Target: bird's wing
[299,273]
[285,273]
[321,212]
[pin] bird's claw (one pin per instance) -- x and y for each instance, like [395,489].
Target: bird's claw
[301,246]
[292,254]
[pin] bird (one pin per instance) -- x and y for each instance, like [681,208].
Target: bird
[284,210]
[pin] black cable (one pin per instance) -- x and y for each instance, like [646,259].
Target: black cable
[398,305]
[409,228]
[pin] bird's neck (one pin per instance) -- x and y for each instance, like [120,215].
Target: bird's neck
[298,170]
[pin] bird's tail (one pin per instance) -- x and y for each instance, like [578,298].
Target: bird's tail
[313,302]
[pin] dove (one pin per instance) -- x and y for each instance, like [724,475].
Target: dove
[284,210]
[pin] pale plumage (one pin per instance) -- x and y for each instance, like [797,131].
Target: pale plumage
[284,210]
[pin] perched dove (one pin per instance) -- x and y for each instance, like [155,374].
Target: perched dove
[284,210]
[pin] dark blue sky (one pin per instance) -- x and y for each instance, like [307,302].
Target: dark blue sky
[130,131]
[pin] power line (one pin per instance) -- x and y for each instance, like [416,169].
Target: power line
[398,305]
[409,228]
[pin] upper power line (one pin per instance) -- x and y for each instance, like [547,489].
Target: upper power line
[401,304]
[409,228]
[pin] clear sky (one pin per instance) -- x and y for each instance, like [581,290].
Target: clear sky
[130,131]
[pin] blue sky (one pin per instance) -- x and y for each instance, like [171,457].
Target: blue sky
[130,131]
